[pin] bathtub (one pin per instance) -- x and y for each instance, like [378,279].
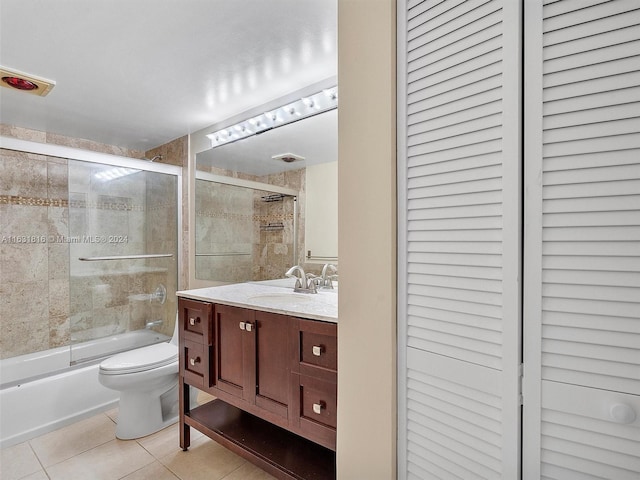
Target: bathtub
[40,392]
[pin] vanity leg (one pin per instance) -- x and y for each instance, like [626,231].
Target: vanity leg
[184,406]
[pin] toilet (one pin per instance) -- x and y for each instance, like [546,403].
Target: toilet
[147,379]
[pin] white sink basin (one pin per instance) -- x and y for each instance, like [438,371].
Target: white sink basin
[280,298]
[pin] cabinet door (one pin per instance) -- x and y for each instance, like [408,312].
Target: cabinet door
[459,256]
[234,357]
[272,365]
[581,414]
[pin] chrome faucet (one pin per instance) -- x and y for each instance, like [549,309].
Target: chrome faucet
[304,283]
[325,279]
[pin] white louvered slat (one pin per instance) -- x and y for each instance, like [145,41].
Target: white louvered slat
[619,96]
[463,93]
[455,15]
[590,72]
[557,21]
[591,43]
[591,159]
[602,25]
[595,204]
[578,60]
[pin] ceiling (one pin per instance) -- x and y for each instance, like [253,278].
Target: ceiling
[140,73]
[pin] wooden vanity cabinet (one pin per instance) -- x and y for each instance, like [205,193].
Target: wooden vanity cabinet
[252,361]
[280,369]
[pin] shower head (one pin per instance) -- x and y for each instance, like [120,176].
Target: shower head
[157,157]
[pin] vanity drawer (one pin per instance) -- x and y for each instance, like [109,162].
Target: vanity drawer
[317,348]
[314,409]
[193,362]
[318,401]
[195,321]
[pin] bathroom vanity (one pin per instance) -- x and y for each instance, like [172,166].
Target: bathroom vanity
[269,356]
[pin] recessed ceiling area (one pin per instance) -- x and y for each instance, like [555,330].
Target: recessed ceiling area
[138,74]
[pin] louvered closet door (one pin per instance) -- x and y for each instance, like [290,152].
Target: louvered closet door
[459,238]
[582,240]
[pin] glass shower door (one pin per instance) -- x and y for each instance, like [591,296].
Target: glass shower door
[123,243]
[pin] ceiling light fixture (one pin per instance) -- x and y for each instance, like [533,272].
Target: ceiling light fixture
[305,107]
[24,82]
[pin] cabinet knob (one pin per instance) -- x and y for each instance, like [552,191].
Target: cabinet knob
[622,413]
[317,407]
[193,361]
[193,321]
[248,327]
[317,350]
[243,326]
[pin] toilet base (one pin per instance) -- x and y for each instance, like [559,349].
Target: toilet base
[141,414]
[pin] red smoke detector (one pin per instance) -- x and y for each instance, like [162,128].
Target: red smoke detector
[19,83]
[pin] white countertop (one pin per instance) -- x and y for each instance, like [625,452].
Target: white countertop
[268,297]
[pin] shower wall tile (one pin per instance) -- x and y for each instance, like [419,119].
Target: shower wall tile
[57,178]
[57,224]
[25,221]
[58,261]
[24,263]
[23,315]
[16,180]
[59,298]
[59,331]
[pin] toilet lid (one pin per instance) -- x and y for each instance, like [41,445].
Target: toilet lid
[141,359]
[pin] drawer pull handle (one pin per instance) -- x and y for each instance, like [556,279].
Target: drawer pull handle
[317,407]
[193,321]
[317,350]
[193,361]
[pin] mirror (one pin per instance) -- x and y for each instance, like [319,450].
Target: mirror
[256,215]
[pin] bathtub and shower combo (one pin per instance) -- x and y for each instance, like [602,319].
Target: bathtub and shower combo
[100,233]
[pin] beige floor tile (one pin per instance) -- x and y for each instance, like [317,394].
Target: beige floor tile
[166,441]
[18,461]
[36,476]
[66,442]
[112,414]
[205,460]
[162,443]
[110,461]
[153,471]
[249,471]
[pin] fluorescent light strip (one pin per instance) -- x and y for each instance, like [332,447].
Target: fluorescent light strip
[319,102]
[113,173]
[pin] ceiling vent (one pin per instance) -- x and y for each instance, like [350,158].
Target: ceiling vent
[288,157]
[24,82]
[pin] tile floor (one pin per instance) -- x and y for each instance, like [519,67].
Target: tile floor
[89,450]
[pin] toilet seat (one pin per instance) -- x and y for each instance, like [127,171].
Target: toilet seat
[140,359]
